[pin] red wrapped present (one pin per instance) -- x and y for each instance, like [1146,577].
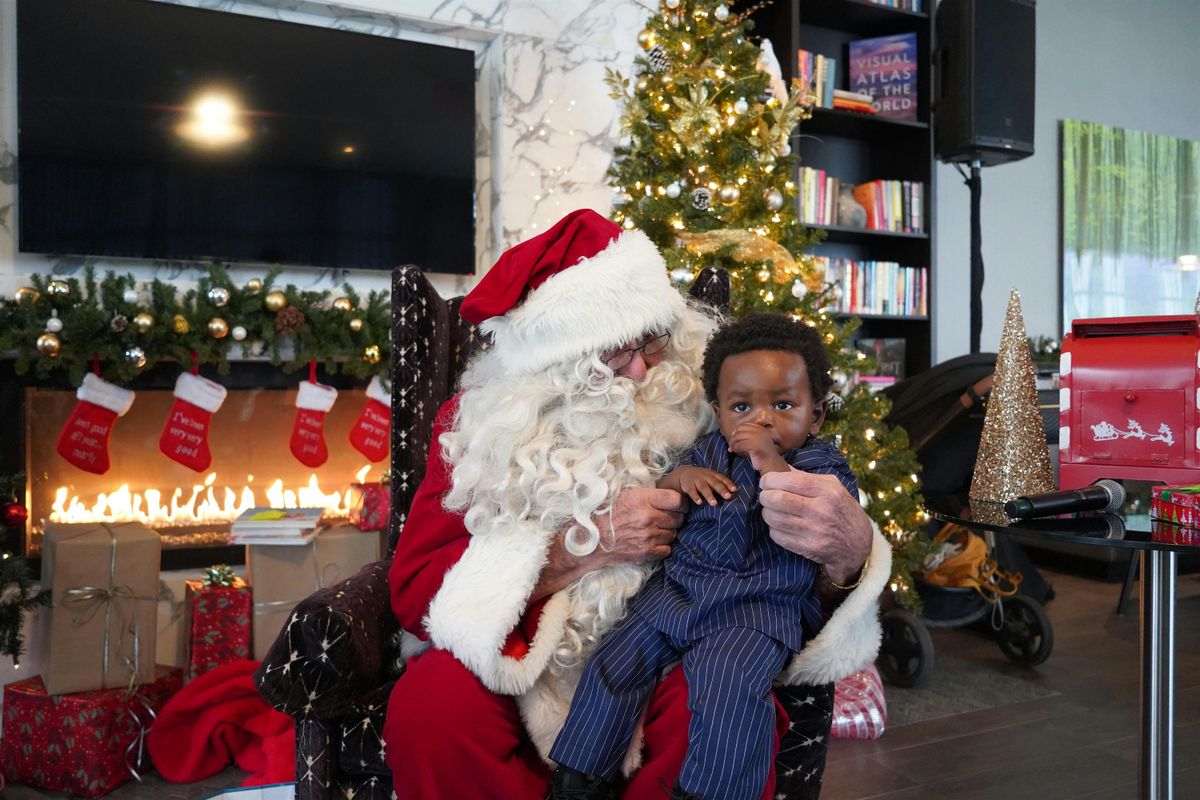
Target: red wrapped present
[1177,504]
[370,506]
[87,743]
[219,613]
[859,710]
[1173,534]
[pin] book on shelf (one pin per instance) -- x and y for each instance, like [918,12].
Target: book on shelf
[853,101]
[265,525]
[888,353]
[877,287]
[876,382]
[903,5]
[886,68]
[819,74]
[892,205]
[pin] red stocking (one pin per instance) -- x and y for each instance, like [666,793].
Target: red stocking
[185,434]
[308,432]
[83,441]
[371,433]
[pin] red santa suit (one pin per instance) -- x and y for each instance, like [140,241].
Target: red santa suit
[475,713]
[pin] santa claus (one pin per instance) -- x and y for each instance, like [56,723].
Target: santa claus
[538,519]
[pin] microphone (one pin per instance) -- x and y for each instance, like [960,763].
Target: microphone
[1105,495]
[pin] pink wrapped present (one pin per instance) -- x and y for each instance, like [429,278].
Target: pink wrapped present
[859,710]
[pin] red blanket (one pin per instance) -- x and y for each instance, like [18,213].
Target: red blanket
[219,718]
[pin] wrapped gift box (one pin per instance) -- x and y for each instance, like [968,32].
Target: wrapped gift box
[1177,504]
[219,619]
[370,506]
[87,743]
[859,708]
[1169,533]
[283,575]
[104,605]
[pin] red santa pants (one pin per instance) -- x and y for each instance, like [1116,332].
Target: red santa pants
[447,735]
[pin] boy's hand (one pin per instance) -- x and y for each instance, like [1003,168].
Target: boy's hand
[700,484]
[756,443]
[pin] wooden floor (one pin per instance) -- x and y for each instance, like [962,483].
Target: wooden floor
[1080,743]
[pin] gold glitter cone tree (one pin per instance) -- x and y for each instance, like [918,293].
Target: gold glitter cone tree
[1013,457]
[705,168]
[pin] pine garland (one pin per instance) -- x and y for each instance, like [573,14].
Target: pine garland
[99,322]
[18,594]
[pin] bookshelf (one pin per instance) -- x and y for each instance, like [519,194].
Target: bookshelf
[858,147]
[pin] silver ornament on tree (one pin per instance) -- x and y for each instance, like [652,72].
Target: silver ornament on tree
[774,199]
[681,275]
[671,4]
[701,198]
[741,106]
[721,12]
[136,356]
[218,296]
[785,149]
[839,380]
[658,60]
[674,190]
[729,193]
[238,333]
[799,289]
[130,296]
[54,324]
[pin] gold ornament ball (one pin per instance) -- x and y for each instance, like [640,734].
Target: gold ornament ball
[58,289]
[48,344]
[356,324]
[729,193]
[371,354]
[218,328]
[763,275]
[342,304]
[26,293]
[180,325]
[143,322]
[646,38]
[254,285]
[275,301]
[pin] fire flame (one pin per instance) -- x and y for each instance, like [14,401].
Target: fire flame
[202,505]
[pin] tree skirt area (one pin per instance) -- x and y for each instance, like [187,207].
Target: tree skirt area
[959,686]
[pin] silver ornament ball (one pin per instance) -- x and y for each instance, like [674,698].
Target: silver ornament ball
[774,199]
[785,150]
[135,356]
[701,198]
[741,106]
[619,199]
[674,190]
[218,296]
[238,333]
[130,296]
[799,289]
[839,380]
[721,12]
[671,4]
[681,275]
[54,324]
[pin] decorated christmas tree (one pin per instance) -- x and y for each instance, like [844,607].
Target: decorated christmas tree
[705,167]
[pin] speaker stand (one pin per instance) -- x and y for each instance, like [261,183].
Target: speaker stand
[976,187]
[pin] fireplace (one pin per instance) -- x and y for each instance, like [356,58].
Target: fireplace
[251,464]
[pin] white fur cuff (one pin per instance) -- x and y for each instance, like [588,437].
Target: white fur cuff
[376,392]
[99,392]
[315,396]
[201,392]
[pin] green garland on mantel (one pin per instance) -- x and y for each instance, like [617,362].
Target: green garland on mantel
[65,325]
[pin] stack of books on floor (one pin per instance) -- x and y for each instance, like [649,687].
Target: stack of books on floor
[276,526]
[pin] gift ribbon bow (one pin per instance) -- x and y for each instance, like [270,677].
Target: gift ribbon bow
[86,601]
[219,575]
[135,753]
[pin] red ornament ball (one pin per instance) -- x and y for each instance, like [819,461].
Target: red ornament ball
[14,515]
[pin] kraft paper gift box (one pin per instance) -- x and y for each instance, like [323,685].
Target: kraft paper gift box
[103,581]
[283,575]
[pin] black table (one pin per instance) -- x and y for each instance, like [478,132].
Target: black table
[1159,545]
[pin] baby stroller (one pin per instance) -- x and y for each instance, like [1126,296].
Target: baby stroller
[970,579]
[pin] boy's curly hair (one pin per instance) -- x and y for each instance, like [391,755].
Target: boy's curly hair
[768,332]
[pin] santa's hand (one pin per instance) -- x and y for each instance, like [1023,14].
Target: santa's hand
[814,516]
[644,523]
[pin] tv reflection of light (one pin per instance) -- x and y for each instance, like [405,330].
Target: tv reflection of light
[213,121]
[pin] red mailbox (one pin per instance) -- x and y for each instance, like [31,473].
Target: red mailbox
[1128,401]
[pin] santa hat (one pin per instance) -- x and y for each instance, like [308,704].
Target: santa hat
[583,286]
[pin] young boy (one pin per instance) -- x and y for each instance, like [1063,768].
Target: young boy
[729,602]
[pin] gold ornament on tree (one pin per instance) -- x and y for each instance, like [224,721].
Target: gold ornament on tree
[48,344]
[645,38]
[342,304]
[750,248]
[218,328]
[254,285]
[275,301]
[371,354]
[1013,457]
[58,289]
[143,322]
[729,194]
[26,293]
[356,324]
[180,325]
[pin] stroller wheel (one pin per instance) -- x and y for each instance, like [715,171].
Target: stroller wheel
[1027,636]
[906,652]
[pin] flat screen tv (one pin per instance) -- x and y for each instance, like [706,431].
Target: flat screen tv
[152,130]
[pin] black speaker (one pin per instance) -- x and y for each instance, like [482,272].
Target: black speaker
[984,57]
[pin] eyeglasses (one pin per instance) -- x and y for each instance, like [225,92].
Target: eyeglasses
[620,359]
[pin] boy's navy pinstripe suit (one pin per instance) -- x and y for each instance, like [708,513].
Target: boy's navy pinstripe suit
[734,606]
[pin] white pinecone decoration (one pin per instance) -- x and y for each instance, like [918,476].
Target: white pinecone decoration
[658,59]
[701,198]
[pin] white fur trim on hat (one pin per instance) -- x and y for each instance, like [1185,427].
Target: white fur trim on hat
[600,303]
[200,392]
[850,639]
[315,396]
[376,392]
[99,392]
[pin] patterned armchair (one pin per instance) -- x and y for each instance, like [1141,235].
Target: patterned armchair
[335,662]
